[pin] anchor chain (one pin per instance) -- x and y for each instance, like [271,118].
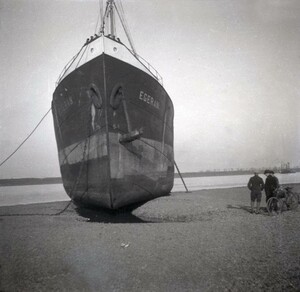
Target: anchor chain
[82,160]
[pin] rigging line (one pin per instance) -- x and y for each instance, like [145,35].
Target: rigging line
[68,65]
[100,17]
[124,18]
[63,210]
[97,21]
[80,57]
[126,24]
[75,184]
[101,13]
[126,30]
[73,188]
[66,207]
[119,3]
[26,138]
[142,140]
[103,20]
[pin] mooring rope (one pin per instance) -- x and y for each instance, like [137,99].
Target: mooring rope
[39,214]
[85,150]
[25,138]
[6,159]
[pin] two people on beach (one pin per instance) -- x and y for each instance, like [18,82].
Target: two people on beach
[256,186]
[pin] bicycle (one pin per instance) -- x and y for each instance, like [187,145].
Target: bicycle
[283,199]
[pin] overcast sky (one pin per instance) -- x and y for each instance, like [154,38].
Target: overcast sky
[230,67]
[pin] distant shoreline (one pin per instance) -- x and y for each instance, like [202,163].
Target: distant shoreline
[58,180]
[30,181]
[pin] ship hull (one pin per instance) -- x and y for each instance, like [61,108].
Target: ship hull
[114,131]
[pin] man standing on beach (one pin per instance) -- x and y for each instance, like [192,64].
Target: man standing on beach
[255,185]
[271,184]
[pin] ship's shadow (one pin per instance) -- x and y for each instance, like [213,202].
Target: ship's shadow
[101,215]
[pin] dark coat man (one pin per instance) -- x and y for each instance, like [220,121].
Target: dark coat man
[271,184]
[255,185]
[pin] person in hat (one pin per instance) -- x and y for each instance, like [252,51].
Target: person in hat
[255,185]
[275,178]
[271,184]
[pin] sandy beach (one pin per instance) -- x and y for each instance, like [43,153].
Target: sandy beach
[201,241]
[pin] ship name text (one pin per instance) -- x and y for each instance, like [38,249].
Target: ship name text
[149,99]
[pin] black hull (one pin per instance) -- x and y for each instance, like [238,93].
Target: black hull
[114,131]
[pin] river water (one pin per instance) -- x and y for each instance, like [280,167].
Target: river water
[15,195]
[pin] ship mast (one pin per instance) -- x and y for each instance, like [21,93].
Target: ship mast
[112,18]
[110,13]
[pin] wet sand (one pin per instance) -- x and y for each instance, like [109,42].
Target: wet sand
[200,241]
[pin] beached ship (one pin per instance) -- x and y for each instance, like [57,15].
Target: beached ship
[113,122]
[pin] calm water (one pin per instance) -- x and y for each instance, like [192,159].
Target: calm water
[55,192]
[232,181]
